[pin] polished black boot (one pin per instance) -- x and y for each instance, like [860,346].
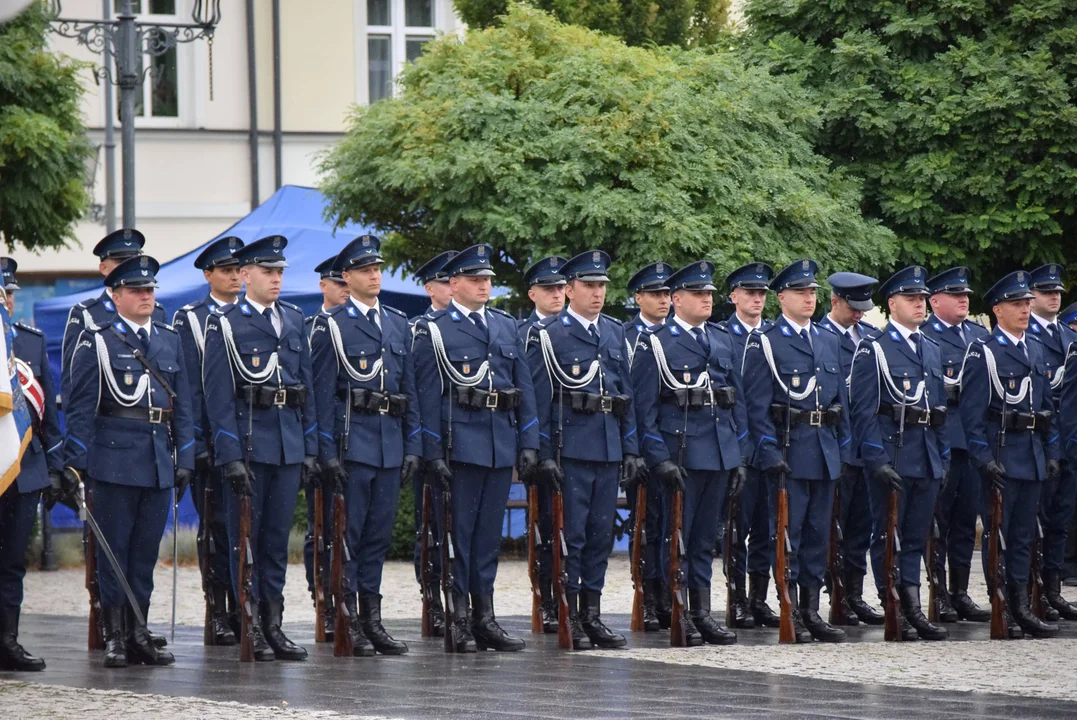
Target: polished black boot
[549,608]
[437,612]
[13,656]
[946,611]
[1052,589]
[329,620]
[799,630]
[820,629]
[742,614]
[460,628]
[489,635]
[370,622]
[222,630]
[361,645]
[283,648]
[580,641]
[591,622]
[962,604]
[664,606]
[910,608]
[140,648]
[651,588]
[908,632]
[762,615]
[854,596]
[699,610]
[113,630]
[1018,605]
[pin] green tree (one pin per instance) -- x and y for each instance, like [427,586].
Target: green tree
[960,116]
[541,138]
[42,139]
[638,22]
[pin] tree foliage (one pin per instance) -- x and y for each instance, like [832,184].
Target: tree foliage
[42,139]
[638,22]
[959,115]
[543,138]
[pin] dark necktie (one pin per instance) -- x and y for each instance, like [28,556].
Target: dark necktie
[1051,329]
[593,330]
[1022,348]
[915,338]
[807,338]
[701,338]
[477,318]
[372,316]
[144,339]
[961,333]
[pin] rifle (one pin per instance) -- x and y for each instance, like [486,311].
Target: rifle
[246,554]
[533,559]
[206,550]
[728,561]
[639,542]
[892,608]
[1038,600]
[319,558]
[932,562]
[782,547]
[560,547]
[342,620]
[447,552]
[95,639]
[996,546]
[426,563]
[678,636]
[835,562]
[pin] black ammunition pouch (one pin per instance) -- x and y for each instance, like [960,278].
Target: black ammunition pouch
[697,398]
[1022,421]
[473,398]
[831,417]
[264,396]
[376,402]
[590,403]
[953,394]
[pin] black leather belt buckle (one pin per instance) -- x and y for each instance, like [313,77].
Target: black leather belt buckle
[815,418]
[383,407]
[280,397]
[491,400]
[156,415]
[922,418]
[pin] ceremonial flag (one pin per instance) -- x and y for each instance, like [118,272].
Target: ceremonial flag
[14,415]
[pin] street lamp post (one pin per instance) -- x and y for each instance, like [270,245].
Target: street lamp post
[128,41]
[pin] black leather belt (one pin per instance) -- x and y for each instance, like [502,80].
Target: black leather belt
[473,398]
[152,415]
[914,415]
[831,417]
[264,396]
[591,403]
[1022,421]
[696,398]
[375,401]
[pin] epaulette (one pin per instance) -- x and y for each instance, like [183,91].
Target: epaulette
[391,309]
[27,328]
[869,326]
[548,320]
[89,302]
[826,327]
[612,319]
[499,311]
[192,306]
[163,326]
[342,308]
[290,306]
[720,325]
[225,309]
[158,305]
[309,320]
[970,321]
[437,314]
[767,328]
[521,322]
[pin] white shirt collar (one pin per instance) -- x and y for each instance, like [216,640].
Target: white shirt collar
[539,315]
[258,307]
[467,313]
[905,332]
[1012,338]
[648,323]
[794,325]
[220,303]
[1043,321]
[108,291]
[748,327]
[582,320]
[836,324]
[677,319]
[364,308]
[136,327]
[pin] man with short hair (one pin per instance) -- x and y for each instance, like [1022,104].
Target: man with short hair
[650,289]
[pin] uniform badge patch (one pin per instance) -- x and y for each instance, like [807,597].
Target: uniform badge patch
[737,330]
[907,384]
[688,377]
[575,369]
[455,316]
[109,306]
[351,312]
[674,330]
[467,368]
[362,364]
[256,361]
[128,379]
[786,332]
[1013,384]
[937,326]
[796,381]
[949,372]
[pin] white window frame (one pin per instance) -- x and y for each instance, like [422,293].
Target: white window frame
[398,33]
[184,73]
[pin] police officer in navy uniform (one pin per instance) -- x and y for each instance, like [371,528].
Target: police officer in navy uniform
[334,293]
[958,503]
[1069,316]
[1005,380]
[898,408]
[546,289]
[257,380]
[753,545]
[689,406]
[650,289]
[368,437]
[1067,403]
[42,458]
[583,392]
[130,429]
[221,271]
[113,249]
[792,375]
[1059,495]
[850,298]
[477,408]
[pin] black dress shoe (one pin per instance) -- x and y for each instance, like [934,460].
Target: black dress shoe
[762,614]
[13,656]
[819,628]
[710,630]
[591,622]
[284,649]
[910,608]
[115,642]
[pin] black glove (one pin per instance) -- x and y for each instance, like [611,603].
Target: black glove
[235,474]
[633,470]
[996,474]
[181,479]
[779,468]
[410,468]
[62,489]
[203,463]
[550,475]
[334,477]
[888,475]
[631,485]
[670,475]
[526,464]
[738,478]
[1054,469]
[438,474]
[310,473]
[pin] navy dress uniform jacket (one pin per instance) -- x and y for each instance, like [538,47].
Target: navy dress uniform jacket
[375,439]
[484,437]
[190,322]
[281,435]
[1067,405]
[1025,454]
[45,452]
[953,350]
[815,453]
[925,452]
[127,451]
[715,439]
[738,333]
[601,437]
[1054,349]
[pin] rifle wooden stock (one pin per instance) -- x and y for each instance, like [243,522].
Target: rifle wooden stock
[932,563]
[995,561]
[205,544]
[835,562]
[95,639]
[319,570]
[728,561]
[426,564]
[892,608]
[560,577]
[677,633]
[639,541]
[786,632]
[342,637]
[1037,598]
[533,559]
[246,569]
[446,568]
